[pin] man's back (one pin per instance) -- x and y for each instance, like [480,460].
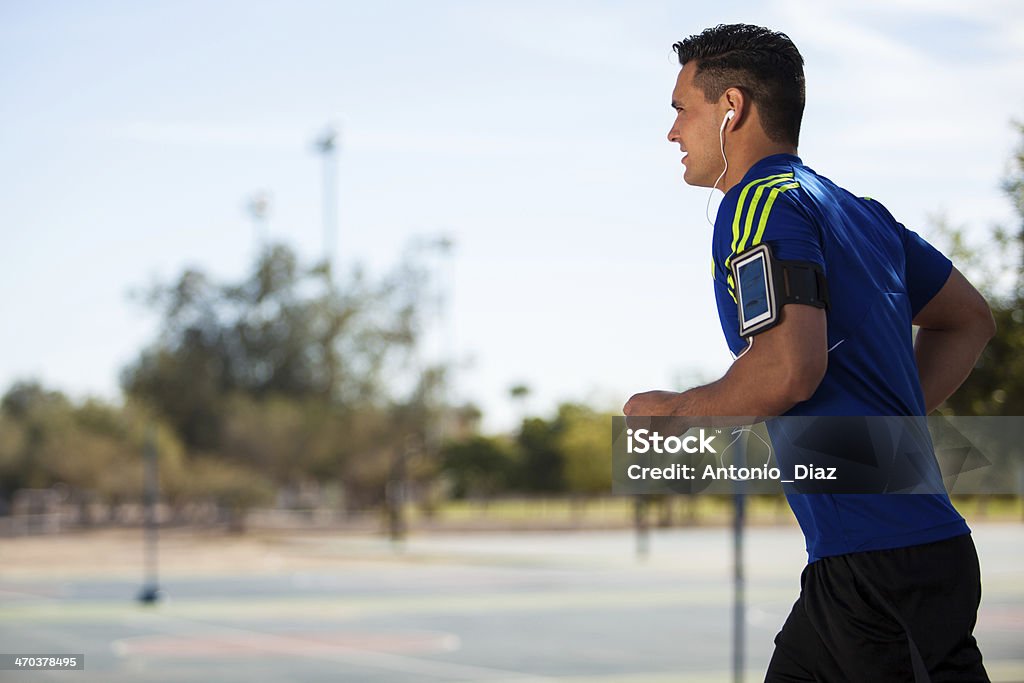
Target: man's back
[879,275]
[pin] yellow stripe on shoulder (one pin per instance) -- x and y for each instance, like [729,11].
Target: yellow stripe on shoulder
[768,209]
[741,204]
[739,239]
[754,203]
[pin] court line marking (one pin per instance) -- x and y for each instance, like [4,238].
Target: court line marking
[337,653]
[358,608]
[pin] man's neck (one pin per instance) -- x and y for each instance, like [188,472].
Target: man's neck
[741,160]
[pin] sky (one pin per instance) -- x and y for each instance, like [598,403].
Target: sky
[533,134]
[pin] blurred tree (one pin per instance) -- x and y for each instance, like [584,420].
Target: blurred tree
[520,393]
[587,450]
[235,488]
[478,466]
[465,420]
[25,399]
[37,418]
[278,333]
[272,436]
[293,375]
[542,464]
[13,465]
[545,447]
[281,381]
[92,449]
[996,386]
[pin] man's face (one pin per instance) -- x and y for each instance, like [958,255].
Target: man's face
[696,131]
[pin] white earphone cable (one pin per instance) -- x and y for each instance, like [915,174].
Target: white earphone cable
[721,140]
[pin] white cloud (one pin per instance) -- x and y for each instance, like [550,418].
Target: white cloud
[824,26]
[207,134]
[597,36]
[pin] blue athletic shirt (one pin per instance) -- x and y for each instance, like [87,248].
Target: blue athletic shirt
[880,274]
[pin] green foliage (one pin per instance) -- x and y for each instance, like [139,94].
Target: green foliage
[285,332]
[1013,186]
[270,436]
[92,448]
[996,386]
[570,452]
[235,486]
[519,391]
[38,418]
[294,376]
[27,400]
[542,469]
[479,466]
[13,446]
[586,449]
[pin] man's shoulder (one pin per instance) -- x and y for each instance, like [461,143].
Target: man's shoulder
[824,189]
[766,179]
[765,195]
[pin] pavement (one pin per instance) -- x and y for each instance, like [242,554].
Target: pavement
[525,607]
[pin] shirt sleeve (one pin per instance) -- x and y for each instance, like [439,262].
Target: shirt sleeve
[767,215]
[759,213]
[927,269]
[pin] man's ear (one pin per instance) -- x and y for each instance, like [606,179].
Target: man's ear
[737,101]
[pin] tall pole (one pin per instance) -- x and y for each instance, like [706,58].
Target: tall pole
[441,293]
[739,610]
[445,246]
[150,592]
[258,207]
[327,145]
[395,492]
[643,532]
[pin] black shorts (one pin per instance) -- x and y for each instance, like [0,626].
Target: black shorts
[905,614]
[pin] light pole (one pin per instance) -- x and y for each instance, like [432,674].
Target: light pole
[326,145]
[150,592]
[739,602]
[258,207]
[443,245]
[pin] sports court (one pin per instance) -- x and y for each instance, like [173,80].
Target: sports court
[498,607]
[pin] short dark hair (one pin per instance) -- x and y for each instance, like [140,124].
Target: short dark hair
[764,64]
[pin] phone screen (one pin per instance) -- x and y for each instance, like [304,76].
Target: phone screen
[753,291]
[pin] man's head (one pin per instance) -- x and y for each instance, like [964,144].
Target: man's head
[756,72]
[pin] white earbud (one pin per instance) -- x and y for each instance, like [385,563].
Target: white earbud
[721,139]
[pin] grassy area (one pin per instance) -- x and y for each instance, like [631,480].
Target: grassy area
[1001,508]
[606,511]
[699,510]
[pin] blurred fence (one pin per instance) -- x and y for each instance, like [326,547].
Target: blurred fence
[52,511]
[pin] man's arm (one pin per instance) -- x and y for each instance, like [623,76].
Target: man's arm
[955,325]
[783,367]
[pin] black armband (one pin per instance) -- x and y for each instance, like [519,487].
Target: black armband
[764,285]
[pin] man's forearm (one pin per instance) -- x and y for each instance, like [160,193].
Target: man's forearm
[784,366]
[749,389]
[739,393]
[944,360]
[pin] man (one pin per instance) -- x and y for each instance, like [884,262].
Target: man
[892,585]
